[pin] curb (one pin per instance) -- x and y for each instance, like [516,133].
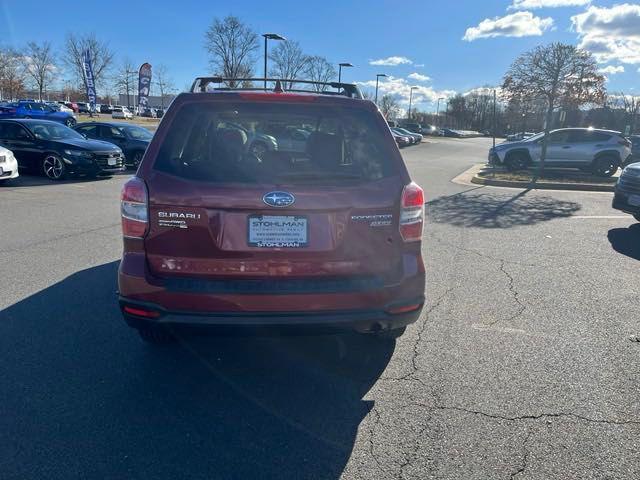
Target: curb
[585,187]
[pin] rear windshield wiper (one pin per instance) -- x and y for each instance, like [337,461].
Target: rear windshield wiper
[319,176]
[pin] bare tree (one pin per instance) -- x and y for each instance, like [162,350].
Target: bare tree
[40,65]
[287,61]
[232,48]
[164,83]
[99,52]
[558,73]
[389,106]
[631,106]
[12,74]
[125,80]
[319,69]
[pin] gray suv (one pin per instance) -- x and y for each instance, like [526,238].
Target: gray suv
[598,151]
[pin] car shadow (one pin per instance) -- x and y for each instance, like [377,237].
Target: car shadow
[626,240]
[83,397]
[497,210]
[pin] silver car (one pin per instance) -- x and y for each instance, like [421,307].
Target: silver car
[598,151]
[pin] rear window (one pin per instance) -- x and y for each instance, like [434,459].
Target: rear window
[275,143]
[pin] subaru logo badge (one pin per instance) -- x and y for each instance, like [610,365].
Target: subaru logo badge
[278,199]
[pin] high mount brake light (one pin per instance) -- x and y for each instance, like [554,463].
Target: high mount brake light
[412,213]
[134,208]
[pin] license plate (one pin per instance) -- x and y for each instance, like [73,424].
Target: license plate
[634,200]
[278,231]
[112,161]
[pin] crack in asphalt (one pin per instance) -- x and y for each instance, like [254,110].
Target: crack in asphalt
[372,429]
[514,293]
[413,455]
[423,327]
[525,457]
[531,417]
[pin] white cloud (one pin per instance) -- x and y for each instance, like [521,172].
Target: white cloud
[611,34]
[391,61]
[612,70]
[532,4]
[519,24]
[419,65]
[419,77]
[400,88]
[484,91]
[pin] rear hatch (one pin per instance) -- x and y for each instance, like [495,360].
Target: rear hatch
[228,202]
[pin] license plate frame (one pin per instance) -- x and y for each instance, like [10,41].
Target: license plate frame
[634,200]
[273,239]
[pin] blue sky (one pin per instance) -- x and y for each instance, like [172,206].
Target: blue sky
[457,45]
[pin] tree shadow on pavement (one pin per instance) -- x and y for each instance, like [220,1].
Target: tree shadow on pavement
[626,240]
[497,209]
[83,397]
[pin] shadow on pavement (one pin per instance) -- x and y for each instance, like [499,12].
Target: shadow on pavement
[498,210]
[83,397]
[25,180]
[626,240]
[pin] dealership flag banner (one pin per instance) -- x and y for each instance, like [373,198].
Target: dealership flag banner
[144,84]
[89,83]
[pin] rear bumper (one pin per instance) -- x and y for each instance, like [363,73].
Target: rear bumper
[362,321]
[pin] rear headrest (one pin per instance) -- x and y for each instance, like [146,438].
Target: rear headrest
[325,149]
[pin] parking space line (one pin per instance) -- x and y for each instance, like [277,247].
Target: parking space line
[600,216]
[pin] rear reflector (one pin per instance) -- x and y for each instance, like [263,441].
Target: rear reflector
[134,208]
[403,309]
[141,312]
[412,213]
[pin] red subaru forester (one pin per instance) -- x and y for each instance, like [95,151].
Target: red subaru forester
[272,209]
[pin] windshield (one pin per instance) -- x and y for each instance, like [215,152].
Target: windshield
[138,133]
[53,131]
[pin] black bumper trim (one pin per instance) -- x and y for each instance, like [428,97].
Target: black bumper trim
[346,320]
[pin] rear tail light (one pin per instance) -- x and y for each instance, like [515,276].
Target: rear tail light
[412,213]
[141,312]
[134,208]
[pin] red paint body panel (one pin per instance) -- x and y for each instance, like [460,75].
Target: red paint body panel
[198,234]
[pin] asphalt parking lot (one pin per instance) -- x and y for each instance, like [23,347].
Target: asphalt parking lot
[520,367]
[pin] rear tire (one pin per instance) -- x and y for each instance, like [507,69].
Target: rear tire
[70,122]
[605,166]
[156,336]
[516,161]
[135,161]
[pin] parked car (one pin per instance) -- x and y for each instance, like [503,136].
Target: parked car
[83,107]
[132,139]
[627,191]
[104,108]
[159,112]
[401,140]
[149,113]
[412,127]
[598,151]
[417,137]
[429,130]
[449,132]
[121,112]
[59,107]
[325,240]
[26,109]
[412,139]
[519,136]
[8,165]
[56,151]
[635,148]
[72,105]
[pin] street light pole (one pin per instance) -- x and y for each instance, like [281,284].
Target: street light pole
[377,78]
[410,100]
[269,36]
[438,111]
[340,65]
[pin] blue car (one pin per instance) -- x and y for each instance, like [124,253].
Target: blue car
[36,110]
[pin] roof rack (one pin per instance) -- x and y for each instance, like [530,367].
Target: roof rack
[350,90]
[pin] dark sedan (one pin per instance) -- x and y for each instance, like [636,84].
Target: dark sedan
[56,151]
[133,140]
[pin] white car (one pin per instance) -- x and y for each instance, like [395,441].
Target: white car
[8,165]
[122,113]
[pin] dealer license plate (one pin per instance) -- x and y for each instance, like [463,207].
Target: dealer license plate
[278,231]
